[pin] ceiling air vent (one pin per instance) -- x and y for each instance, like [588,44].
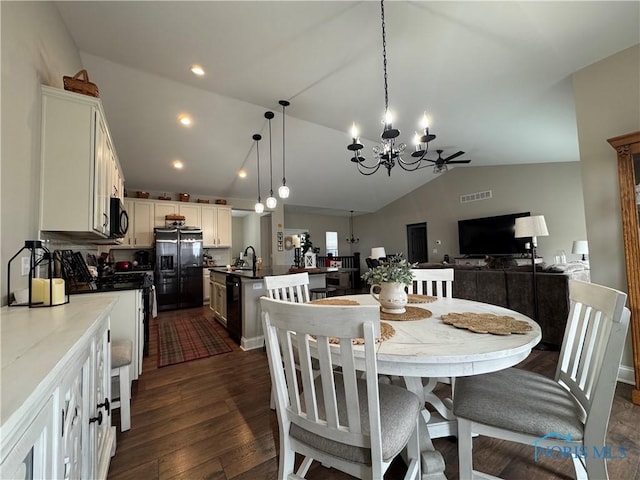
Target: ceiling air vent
[474,197]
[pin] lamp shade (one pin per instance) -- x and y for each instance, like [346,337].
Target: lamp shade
[378,252]
[580,247]
[533,226]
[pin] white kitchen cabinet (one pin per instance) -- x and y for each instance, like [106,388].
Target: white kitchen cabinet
[141,223]
[101,433]
[191,214]
[56,384]
[212,295]
[127,322]
[205,287]
[32,457]
[78,159]
[220,298]
[162,209]
[190,211]
[216,226]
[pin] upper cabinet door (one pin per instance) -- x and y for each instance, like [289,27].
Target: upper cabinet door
[224,227]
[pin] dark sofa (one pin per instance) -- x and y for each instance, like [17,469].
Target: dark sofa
[512,288]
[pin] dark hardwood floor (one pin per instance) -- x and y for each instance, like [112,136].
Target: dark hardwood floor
[210,419]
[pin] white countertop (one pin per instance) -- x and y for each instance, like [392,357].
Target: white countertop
[36,343]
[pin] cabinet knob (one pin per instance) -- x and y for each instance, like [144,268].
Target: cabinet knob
[97,419]
[106,405]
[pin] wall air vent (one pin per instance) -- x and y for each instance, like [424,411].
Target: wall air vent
[474,197]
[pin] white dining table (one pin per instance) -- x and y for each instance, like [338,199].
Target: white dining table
[430,349]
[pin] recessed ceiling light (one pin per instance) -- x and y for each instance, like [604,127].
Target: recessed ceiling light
[185,119]
[177,164]
[242,174]
[197,70]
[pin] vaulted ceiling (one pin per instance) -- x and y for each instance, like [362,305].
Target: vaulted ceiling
[494,78]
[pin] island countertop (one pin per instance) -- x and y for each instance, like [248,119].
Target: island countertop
[270,271]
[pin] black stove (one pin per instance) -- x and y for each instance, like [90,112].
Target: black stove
[121,281]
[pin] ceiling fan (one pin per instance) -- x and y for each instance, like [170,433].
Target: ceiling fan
[440,164]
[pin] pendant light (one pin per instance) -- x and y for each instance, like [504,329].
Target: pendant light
[259,207]
[271,200]
[283,191]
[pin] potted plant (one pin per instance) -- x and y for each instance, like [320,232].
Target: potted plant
[391,277]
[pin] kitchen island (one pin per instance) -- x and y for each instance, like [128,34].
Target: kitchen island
[240,290]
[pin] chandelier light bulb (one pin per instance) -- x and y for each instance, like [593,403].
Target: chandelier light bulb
[416,139]
[354,131]
[271,202]
[388,118]
[283,191]
[425,121]
[259,207]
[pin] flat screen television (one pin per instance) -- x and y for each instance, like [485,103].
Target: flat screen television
[491,235]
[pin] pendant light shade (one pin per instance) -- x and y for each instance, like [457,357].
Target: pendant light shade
[283,191]
[271,200]
[259,207]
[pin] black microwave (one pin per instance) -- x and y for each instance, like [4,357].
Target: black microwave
[119,219]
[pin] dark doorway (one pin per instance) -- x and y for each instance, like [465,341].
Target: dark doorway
[417,250]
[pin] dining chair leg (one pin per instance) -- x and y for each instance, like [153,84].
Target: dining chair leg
[465,449]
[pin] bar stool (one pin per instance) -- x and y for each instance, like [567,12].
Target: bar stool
[323,292]
[120,364]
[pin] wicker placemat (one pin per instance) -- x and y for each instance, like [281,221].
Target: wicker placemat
[415,298]
[334,301]
[386,332]
[486,323]
[411,313]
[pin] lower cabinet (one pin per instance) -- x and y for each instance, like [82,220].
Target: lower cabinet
[219,298]
[71,436]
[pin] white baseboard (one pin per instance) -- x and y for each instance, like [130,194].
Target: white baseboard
[252,343]
[626,375]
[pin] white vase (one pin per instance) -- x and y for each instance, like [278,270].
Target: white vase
[392,296]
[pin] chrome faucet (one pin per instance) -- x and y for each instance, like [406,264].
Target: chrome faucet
[254,260]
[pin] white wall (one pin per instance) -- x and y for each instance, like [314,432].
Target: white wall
[554,190]
[607,97]
[36,49]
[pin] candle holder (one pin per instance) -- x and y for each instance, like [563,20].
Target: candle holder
[297,257]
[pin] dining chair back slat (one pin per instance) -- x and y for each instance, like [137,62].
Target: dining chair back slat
[290,288]
[340,403]
[437,282]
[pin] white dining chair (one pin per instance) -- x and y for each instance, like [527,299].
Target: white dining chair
[437,282]
[291,288]
[570,411]
[342,419]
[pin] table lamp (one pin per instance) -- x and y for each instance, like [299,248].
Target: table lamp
[532,227]
[378,252]
[580,247]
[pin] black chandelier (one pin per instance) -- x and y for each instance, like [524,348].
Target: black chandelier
[351,239]
[388,153]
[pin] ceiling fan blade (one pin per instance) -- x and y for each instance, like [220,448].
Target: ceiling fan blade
[459,161]
[455,155]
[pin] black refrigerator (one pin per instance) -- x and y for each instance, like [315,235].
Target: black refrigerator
[178,269]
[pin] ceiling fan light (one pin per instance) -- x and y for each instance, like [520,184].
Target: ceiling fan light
[271,202]
[283,191]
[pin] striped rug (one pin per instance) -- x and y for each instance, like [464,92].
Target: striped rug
[184,339]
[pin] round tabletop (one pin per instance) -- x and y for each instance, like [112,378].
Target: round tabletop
[431,348]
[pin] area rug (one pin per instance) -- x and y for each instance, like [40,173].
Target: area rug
[185,339]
